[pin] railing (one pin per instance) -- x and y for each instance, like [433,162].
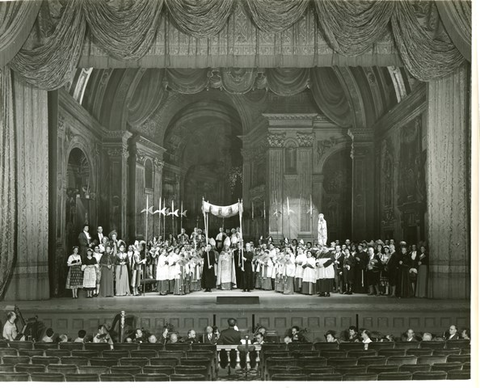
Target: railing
[241,349]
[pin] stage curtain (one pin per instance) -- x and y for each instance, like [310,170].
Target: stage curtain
[330,97]
[287,82]
[352,27]
[425,58]
[148,95]
[24,208]
[200,18]
[276,15]
[52,63]
[187,81]
[125,33]
[16,21]
[457,19]
[8,186]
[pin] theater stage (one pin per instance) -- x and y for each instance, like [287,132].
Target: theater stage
[274,311]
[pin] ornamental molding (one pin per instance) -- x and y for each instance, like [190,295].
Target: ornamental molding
[361,134]
[117,152]
[158,163]
[305,139]
[276,140]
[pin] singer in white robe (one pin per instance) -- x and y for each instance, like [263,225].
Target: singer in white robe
[226,277]
[322,230]
[162,273]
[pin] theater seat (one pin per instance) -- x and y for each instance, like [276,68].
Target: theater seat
[315,361]
[116,377]
[325,346]
[431,359]
[341,361]
[74,360]
[457,344]
[89,369]
[81,377]
[318,369]
[14,360]
[30,352]
[71,345]
[381,345]
[400,360]
[45,345]
[165,361]
[351,346]
[382,368]
[419,352]
[351,369]
[14,376]
[158,369]
[130,369]
[98,347]
[392,352]
[432,344]
[65,369]
[55,377]
[447,366]
[138,361]
[333,353]
[115,353]
[9,352]
[414,368]
[324,377]
[21,344]
[372,360]
[29,368]
[357,353]
[446,352]
[360,377]
[271,370]
[386,376]
[458,358]
[288,377]
[57,353]
[406,345]
[187,377]
[44,360]
[191,369]
[103,361]
[177,347]
[143,353]
[129,346]
[433,375]
[151,377]
[458,375]
[7,368]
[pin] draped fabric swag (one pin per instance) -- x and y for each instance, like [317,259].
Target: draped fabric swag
[8,186]
[323,82]
[350,28]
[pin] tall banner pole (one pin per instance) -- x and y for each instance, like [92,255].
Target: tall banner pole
[146,222]
[159,217]
[181,215]
[240,215]
[164,220]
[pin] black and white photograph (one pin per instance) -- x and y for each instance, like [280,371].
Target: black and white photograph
[231,191]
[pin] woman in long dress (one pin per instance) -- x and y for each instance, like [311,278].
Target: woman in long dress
[98,255]
[289,271]
[280,272]
[122,287]
[422,276]
[89,273]
[107,263]
[75,274]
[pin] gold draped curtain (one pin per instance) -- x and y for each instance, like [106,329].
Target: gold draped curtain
[126,30]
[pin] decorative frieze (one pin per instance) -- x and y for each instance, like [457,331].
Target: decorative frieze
[305,139]
[276,140]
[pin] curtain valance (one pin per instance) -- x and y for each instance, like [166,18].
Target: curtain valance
[127,31]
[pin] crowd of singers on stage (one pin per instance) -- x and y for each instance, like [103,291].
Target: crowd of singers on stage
[106,266]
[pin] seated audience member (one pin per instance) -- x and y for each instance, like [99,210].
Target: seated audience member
[152,339]
[81,336]
[173,338]
[295,334]
[351,335]
[229,336]
[128,340]
[139,336]
[10,329]
[261,329]
[191,337]
[387,338]
[427,337]
[102,336]
[209,337]
[330,336]
[465,334]
[452,333]
[365,335]
[258,339]
[62,338]
[48,335]
[409,336]
[287,340]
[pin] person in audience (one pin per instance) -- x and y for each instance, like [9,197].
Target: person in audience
[465,334]
[258,339]
[191,337]
[296,335]
[209,337]
[366,337]
[427,336]
[48,337]
[452,333]
[10,331]
[229,336]
[62,338]
[80,336]
[152,339]
[351,335]
[287,340]
[139,336]
[102,336]
[409,336]
[89,273]
[75,274]
[330,336]
[173,339]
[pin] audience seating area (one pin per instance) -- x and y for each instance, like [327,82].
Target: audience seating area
[75,362]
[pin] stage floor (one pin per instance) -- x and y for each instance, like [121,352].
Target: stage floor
[269,300]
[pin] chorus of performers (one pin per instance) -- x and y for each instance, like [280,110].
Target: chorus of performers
[106,266]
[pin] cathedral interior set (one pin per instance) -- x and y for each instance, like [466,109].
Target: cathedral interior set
[283,135]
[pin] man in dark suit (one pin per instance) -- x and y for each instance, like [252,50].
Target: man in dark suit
[98,237]
[84,241]
[229,336]
[247,266]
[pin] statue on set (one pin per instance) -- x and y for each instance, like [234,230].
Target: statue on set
[322,230]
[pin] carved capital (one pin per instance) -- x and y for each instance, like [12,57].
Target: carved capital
[158,163]
[276,140]
[305,139]
[359,151]
[118,152]
[324,145]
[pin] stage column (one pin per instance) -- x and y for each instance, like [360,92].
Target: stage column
[448,185]
[363,183]
[275,167]
[117,151]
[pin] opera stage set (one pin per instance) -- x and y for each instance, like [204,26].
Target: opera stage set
[359,111]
